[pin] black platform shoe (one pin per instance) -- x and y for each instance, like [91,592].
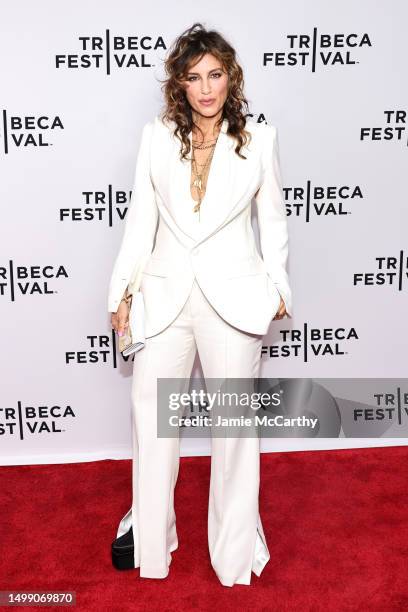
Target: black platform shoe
[123,551]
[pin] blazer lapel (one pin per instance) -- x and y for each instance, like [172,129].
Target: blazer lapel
[227,177]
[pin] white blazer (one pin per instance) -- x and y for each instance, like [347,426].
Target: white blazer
[160,253]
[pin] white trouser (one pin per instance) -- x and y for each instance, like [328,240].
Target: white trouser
[236,539]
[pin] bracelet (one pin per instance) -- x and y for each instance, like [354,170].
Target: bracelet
[126,299]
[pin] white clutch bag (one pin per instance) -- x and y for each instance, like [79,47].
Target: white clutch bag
[133,339]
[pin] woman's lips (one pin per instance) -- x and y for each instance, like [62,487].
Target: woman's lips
[204,103]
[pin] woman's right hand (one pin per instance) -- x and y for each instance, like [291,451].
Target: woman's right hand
[120,318]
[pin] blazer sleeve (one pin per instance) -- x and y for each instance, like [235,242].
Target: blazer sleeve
[272,221]
[140,227]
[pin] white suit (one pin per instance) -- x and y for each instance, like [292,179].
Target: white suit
[222,255]
[205,288]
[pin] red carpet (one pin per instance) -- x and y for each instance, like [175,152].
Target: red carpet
[336,523]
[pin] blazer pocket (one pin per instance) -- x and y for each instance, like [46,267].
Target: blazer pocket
[156,267]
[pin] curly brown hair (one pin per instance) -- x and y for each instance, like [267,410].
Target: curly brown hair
[190,46]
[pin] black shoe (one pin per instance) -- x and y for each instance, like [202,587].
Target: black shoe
[123,551]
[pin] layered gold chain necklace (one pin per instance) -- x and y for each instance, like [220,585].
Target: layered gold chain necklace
[200,171]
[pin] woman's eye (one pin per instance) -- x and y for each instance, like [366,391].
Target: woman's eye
[193,78]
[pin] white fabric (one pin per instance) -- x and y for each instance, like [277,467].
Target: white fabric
[236,539]
[168,248]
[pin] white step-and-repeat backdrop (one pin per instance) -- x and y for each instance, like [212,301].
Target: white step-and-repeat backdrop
[77,83]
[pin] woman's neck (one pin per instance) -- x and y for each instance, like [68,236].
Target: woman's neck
[207,125]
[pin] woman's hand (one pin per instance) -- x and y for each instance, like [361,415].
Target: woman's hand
[120,318]
[281,311]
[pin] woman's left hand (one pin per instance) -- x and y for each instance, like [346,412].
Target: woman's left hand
[281,311]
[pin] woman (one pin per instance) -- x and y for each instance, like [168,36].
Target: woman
[188,241]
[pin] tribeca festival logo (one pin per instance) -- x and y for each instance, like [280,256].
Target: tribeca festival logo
[311,342]
[321,201]
[97,349]
[389,407]
[110,52]
[319,50]
[23,421]
[22,280]
[27,131]
[394,127]
[358,407]
[388,271]
[311,200]
[106,206]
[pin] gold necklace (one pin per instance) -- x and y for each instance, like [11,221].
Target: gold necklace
[202,145]
[198,177]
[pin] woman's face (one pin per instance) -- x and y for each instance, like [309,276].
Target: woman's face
[207,81]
